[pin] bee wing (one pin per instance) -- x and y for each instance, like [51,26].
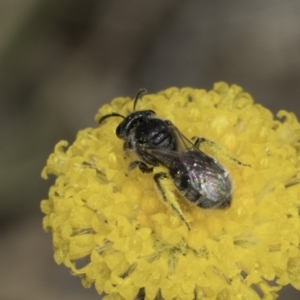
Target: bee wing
[182,142]
[163,156]
[167,157]
[205,174]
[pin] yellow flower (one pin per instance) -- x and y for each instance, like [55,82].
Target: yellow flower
[113,231]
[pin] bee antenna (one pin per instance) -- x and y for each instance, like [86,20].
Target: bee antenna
[138,96]
[108,116]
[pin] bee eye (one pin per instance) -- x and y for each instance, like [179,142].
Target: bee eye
[118,131]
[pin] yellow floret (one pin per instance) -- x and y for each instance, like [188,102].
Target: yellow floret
[133,244]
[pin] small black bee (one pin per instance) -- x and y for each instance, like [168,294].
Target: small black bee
[200,178]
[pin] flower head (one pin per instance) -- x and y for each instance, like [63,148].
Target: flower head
[114,231]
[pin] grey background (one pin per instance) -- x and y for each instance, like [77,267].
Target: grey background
[61,60]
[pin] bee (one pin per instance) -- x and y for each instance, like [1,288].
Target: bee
[164,151]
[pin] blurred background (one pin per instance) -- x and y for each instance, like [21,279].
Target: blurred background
[61,60]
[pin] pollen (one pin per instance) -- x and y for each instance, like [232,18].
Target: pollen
[111,228]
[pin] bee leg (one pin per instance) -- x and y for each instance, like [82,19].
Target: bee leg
[167,196]
[142,166]
[198,141]
[216,149]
